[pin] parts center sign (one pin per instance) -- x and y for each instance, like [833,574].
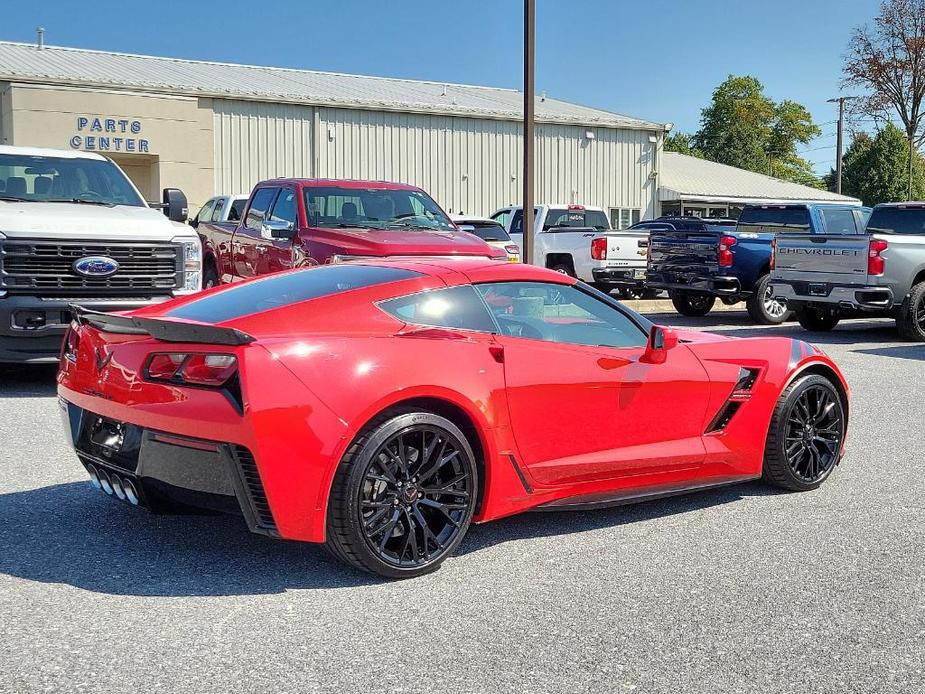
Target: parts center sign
[109,135]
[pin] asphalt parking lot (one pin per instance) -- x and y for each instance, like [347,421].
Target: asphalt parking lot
[741,589]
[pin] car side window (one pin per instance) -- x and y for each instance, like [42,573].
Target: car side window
[559,313]
[284,208]
[502,217]
[839,221]
[219,208]
[205,212]
[517,222]
[454,307]
[237,209]
[257,212]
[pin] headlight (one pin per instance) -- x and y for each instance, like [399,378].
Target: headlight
[192,265]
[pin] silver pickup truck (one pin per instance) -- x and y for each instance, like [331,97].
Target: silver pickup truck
[880,273]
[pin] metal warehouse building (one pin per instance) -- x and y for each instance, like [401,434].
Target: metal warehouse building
[212,128]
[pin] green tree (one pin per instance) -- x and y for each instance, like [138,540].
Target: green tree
[681,143]
[743,127]
[876,169]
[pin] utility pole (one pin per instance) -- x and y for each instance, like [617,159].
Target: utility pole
[529,64]
[840,100]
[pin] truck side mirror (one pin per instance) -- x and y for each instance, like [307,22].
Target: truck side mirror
[277,230]
[660,341]
[175,205]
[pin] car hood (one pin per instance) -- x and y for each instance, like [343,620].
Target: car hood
[699,337]
[66,221]
[380,243]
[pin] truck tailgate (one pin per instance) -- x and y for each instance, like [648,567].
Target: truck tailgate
[830,258]
[683,250]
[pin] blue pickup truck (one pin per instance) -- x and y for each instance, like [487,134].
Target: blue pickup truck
[734,264]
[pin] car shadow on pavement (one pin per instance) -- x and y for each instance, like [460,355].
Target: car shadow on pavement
[911,351]
[27,381]
[68,533]
[552,523]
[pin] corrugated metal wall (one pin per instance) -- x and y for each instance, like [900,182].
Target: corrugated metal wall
[256,141]
[468,165]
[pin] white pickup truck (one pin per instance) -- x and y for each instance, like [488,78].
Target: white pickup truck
[563,240]
[73,229]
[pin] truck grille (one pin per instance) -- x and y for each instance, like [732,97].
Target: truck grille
[41,267]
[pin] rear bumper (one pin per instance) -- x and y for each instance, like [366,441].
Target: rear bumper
[31,328]
[168,473]
[703,284]
[849,297]
[619,276]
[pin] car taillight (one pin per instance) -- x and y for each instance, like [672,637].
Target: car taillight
[599,249]
[213,370]
[773,252]
[725,250]
[876,263]
[71,344]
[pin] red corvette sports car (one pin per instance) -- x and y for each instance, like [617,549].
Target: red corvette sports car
[380,407]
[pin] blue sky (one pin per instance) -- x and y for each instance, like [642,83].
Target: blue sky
[658,60]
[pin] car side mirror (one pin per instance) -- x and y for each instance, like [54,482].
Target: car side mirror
[661,340]
[193,222]
[175,205]
[272,229]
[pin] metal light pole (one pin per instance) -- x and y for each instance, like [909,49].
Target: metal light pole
[529,64]
[840,142]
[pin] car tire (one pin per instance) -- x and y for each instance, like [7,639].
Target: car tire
[817,320]
[762,308]
[806,435]
[692,304]
[395,509]
[911,320]
[210,275]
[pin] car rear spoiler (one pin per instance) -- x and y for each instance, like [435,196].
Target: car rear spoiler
[161,329]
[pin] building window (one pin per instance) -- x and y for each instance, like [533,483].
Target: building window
[624,217]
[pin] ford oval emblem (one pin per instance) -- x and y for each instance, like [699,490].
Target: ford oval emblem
[96,266]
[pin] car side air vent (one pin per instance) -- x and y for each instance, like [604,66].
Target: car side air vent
[746,382]
[257,496]
[741,393]
[724,416]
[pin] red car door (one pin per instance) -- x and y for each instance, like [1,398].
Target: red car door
[274,255]
[248,238]
[583,406]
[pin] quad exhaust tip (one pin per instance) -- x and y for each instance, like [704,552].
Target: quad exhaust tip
[112,484]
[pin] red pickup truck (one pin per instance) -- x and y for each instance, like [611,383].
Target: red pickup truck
[296,222]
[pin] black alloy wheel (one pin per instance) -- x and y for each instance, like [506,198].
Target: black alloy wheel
[410,487]
[806,435]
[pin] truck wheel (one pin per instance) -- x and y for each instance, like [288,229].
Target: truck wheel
[692,304]
[817,320]
[563,267]
[210,276]
[911,321]
[763,308]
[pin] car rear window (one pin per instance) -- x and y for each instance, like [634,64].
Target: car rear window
[454,307]
[276,291]
[485,230]
[780,219]
[576,218]
[897,220]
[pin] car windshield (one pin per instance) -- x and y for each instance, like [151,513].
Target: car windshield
[576,217]
[374,208]
[61,179]
[897,220]
[781,219]
[487,231]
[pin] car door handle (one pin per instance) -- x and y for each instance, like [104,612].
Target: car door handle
[497,353]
